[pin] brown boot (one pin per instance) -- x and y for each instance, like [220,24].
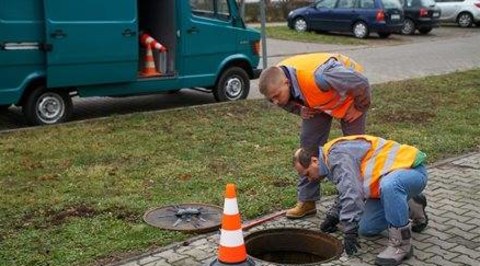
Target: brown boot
[302,209]
[399,247]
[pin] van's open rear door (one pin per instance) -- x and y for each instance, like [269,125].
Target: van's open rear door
[91,41]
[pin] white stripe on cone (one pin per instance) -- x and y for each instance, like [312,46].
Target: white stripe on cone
[231,238]
[230,207]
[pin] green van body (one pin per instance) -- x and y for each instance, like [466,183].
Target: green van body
[92,48]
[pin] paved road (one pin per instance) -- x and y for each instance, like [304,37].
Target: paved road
[446,50]
[451,238]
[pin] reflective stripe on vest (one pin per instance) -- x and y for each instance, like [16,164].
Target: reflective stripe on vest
[328,101]
[383,157]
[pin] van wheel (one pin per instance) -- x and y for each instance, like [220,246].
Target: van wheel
[232,85]
[360,30]
[46,107]
[4,107]
[465,20]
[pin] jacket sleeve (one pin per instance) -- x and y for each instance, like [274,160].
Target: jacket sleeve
[345,172]
[346,81]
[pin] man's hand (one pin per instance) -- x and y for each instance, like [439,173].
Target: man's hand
[307,112]
[350,242]
[329,225]
[352,114]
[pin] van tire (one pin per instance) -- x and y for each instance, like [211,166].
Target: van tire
[58,102]
[232,85]
[4,107]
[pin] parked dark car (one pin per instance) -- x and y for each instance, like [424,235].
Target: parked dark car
[357,16]
[421,15]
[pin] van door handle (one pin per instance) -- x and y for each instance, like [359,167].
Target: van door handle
[58,34]
[192,30]
[129,33]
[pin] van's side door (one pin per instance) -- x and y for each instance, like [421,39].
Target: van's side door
[208,36]
[91,41]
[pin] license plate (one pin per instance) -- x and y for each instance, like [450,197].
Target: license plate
[395,17]
[436,14]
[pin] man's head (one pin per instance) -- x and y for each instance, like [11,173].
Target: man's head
[274,85]
[309,163]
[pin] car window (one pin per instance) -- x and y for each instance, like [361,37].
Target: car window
[326,4]
[413,3]
[428,2]
[391,4]
[366,4]
[345,3]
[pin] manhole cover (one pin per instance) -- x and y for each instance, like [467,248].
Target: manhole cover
[198,218]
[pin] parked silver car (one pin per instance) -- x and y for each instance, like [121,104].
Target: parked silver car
[463,12]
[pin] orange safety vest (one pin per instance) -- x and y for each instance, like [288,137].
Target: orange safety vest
[383,157]
[328,101]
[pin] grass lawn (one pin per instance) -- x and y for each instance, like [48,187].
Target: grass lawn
[284,33]
[75,194]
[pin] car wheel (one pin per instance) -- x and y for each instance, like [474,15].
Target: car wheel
[384,35]
[360,30]
[465,20]
[46,107]
[408,27]
[425,30]
[300,25]
[232,85]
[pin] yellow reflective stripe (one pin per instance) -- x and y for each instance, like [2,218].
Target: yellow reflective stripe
[370,163]
[391,158]
[405,157]
[378,167]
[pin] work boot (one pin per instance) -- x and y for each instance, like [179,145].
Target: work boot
[417,213]
[399,247]
[302,209]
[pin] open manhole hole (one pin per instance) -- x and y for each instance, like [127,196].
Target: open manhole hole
[293,246]
[192,218]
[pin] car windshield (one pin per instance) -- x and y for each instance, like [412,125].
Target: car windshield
[387,4]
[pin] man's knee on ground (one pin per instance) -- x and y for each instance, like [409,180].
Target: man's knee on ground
[369,231]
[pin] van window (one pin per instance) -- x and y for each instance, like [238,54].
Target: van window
[218,9]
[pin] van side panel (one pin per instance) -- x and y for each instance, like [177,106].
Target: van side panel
[21,38]
[91,42]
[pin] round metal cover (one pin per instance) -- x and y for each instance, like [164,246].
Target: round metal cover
[192,218]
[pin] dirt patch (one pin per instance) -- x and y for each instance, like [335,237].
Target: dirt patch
[399,116]
[42,218]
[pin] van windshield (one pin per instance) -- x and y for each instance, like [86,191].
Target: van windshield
[388,4]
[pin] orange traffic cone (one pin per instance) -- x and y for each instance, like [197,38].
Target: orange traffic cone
[231,250]
[149,70]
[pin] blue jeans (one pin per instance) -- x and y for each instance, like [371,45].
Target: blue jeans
[396,188]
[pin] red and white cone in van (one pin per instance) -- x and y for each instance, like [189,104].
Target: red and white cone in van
[148,40]
[149,70]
